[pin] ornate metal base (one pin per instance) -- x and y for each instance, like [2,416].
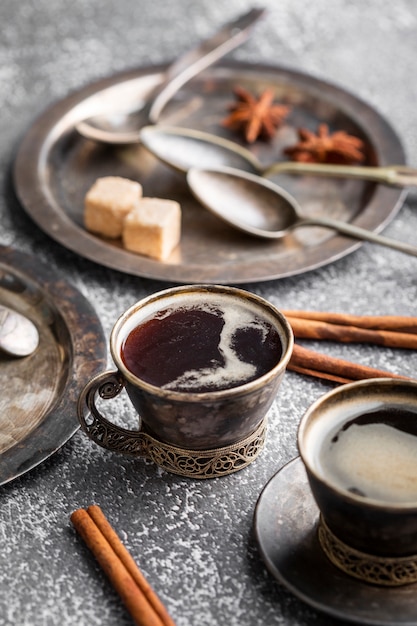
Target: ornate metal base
[192,463]
[205,463]
[387,571]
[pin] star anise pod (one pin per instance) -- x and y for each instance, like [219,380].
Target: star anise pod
[256,117]
[325,147]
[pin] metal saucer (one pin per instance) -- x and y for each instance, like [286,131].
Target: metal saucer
[39,391]
[285,524]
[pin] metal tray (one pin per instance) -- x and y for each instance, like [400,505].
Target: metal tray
[39,392]
[54,168]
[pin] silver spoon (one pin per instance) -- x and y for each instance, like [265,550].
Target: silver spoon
[261,208]
[184,148]
[123,127]
[18,335]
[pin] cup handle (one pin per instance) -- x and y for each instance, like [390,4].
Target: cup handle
[108,385]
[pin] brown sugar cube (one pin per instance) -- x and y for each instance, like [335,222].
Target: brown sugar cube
[108,202]
[153,228]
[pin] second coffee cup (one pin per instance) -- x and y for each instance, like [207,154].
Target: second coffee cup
[358,443]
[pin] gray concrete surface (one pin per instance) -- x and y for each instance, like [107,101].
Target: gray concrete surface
[192,539]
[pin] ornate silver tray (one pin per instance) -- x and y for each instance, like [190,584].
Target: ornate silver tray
[54,168]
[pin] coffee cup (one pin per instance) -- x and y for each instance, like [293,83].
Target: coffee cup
[359,447]
[201,365]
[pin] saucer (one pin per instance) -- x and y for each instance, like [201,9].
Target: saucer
[285,523]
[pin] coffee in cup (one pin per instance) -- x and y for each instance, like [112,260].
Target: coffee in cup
[198,347]
[374,455]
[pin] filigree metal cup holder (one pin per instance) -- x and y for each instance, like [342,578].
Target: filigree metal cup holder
[210,463]
[201,433]
[370,568]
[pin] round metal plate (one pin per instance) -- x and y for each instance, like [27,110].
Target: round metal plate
[55,167]
[39,392]
[286,518]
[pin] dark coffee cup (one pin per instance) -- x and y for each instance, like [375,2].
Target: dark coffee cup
[359,447]
[227,406]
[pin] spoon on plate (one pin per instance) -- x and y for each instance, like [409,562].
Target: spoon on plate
[18,335]
[259,207]
[184,148]
[123,126]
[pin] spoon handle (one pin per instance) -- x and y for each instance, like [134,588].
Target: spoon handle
[351,230]
[396,175]
[205,54]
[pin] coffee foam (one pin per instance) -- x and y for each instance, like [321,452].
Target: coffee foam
[234,370]
[376,459]
[197,299]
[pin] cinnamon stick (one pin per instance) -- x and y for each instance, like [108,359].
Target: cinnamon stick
[316,329]
[319,364]
[139,598]
[124,555]
[398,323]
[317,374]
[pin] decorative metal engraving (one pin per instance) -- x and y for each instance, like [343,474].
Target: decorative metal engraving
[107,385]
[206,463]
[387,571]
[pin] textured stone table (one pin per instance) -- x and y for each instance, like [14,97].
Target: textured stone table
[192,539]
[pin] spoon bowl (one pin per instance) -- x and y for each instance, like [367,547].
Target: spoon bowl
[117,128]
[260,208]
[238,198]
[18,335]
[185,148]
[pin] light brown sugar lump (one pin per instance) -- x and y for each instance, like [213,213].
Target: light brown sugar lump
[108,202]
[153,228]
